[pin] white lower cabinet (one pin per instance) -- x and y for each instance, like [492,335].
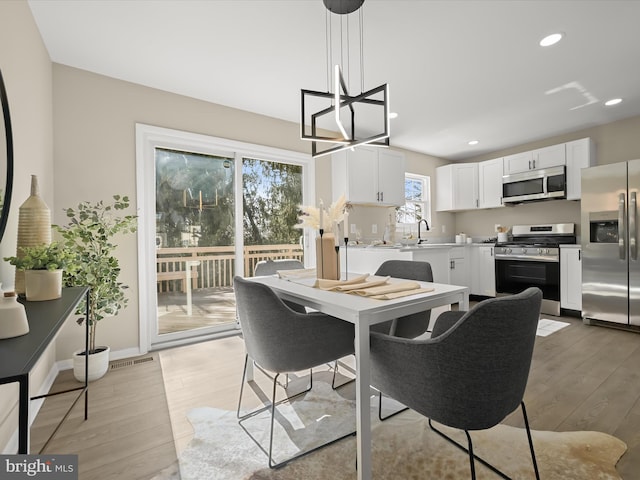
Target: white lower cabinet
[483,271]
[367,260]
[458,267]
[448,264]
[571,277]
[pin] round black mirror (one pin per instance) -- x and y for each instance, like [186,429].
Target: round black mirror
[6,160]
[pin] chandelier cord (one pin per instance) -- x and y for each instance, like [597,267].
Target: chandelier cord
[329,54]
[361,49]
[329,48]
[341,44]
[348,56]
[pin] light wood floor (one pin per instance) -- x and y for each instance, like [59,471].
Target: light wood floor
[582,378]
[210,306]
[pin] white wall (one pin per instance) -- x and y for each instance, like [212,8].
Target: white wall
[27,76]
[26,70]
[94,147]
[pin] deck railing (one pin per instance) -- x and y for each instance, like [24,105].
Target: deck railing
[213,266]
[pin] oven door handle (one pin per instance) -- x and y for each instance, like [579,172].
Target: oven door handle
[527,258]
[621,227]
[633,210]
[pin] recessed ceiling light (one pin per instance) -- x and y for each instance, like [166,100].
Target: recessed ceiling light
[613,101]
[393,115]
[550,39]
[474,142]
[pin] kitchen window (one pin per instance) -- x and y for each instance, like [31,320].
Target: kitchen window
[417,206]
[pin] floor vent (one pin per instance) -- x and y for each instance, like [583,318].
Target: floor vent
[130,363]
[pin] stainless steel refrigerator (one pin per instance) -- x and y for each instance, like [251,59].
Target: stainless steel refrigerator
[609,230]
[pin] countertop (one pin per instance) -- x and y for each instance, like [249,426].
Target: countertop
[424,246]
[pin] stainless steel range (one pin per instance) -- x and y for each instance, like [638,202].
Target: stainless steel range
[532,259]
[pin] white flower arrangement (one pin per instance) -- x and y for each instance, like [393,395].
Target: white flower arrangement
[327,220]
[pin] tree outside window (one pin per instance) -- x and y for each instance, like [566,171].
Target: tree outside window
[417,204]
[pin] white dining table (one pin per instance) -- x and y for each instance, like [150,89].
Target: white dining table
[364,312]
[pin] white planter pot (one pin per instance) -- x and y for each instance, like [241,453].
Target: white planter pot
[98,364]
[43,285]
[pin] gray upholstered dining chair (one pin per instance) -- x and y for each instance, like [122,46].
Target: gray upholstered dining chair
[281,340]
[409,326]
[470,375]
[271,267]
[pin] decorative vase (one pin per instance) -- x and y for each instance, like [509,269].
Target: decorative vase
[34,227]
[327,258]
[41,285]
[13,318]
[98,364]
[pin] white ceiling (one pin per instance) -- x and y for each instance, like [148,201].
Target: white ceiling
[457,70]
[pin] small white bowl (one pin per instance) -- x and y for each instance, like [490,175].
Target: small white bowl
[409,241]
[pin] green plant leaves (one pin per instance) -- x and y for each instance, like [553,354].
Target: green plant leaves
[90,235]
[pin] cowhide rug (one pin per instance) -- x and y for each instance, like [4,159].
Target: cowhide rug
[404,447]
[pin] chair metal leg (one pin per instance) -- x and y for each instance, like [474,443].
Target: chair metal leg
[244,377]
[333,381]
[533,454]
[472,463]
[275,379]
[472,456]
[382,419]
[284,385]
[273,417]
[272,407]
[465,449]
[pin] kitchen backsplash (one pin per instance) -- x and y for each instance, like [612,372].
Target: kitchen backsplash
[478,224]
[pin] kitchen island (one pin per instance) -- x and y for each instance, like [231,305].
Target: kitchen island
[368,259]
[470,265]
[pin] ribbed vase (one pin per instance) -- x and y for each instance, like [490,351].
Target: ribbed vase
[34,227]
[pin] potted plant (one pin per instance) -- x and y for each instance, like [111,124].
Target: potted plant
[90,234]
[43,266]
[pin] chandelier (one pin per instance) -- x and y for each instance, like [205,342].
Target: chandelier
[337,120]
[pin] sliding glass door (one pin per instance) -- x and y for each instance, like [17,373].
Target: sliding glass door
[195,254]
[271,196]
[216,209]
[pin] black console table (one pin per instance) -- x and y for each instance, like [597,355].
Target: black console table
[18,355]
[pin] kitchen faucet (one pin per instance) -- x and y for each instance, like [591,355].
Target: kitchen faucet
[420,240]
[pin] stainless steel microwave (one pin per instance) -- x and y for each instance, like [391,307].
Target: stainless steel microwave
[535,185]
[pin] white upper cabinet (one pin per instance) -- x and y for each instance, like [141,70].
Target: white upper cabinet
[546,157]
[457,187]
[490,183]
[579,155]
[467,186]
[369,175]
[391,170]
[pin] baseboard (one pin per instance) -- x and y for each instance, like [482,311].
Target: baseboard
[114,355]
